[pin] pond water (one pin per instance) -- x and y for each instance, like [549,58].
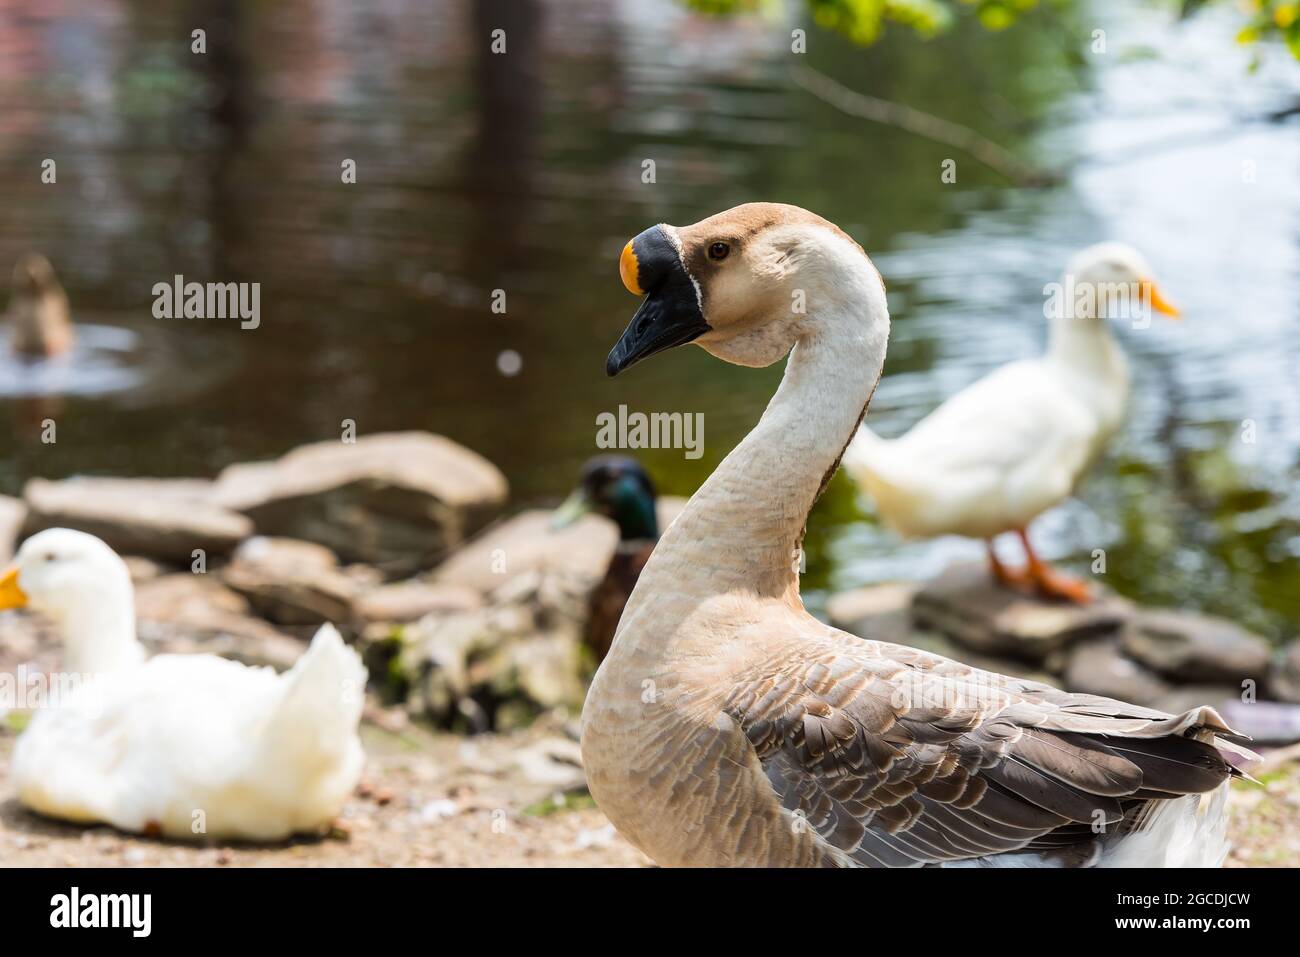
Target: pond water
[523,173]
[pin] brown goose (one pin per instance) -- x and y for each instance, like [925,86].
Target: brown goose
[728,726]
[38,310]
[617,487]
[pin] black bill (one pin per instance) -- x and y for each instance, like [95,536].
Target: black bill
[670,315]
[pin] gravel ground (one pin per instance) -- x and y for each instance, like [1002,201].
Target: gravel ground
[491,801]
[437,800]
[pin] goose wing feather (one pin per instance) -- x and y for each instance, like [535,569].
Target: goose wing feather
[896,757]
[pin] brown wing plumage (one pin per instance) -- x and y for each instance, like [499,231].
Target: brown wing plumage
[899,758]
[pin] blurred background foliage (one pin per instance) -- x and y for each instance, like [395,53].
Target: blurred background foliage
[525,173]
[863,21]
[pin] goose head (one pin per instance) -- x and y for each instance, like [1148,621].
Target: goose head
[66,575]
[745,284]
[1112,270]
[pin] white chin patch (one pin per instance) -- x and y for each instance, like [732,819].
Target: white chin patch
[671,233]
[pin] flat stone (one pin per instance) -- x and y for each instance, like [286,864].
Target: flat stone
[1284,681]
[285,554]
[545,668]
[186,613]
[183,597]
[398,500]
[874,611]
[883,613]
[291,582]
[162,519]
[555,762]
[498,665]
[1098,666]
[411,600]
[1186,697]
[527,543]
[27,639]
[1196,648]
[1266,722]
[12,515]
[144,569]
[965,603]
[667,508]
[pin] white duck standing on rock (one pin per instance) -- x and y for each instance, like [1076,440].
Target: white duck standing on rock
[728,726]
[996,455]
[38,310]
[186,746]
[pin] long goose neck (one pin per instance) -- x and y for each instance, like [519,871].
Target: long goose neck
[743,529]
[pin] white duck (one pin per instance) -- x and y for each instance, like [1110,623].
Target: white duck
[727,726]
[1012,445]
[188,746]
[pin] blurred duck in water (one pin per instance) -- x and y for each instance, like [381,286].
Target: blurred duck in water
[38,310]
[618,488]
[1005,449]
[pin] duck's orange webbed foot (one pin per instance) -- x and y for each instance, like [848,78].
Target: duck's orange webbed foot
[1014,579]
[1050,583]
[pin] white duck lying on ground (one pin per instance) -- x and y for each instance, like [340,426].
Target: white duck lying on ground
[1012,445]
[727,726]
[189,746]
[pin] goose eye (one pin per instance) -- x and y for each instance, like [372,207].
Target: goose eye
[719,251]
[49,556]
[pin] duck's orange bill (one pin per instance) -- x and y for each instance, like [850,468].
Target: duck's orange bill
[11,596]
[627,269]
[1158,302]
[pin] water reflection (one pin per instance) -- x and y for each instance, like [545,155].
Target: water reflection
[477,172]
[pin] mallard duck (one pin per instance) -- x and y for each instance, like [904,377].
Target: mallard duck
[187,746]
[996,455]
[38,310]
[728,726]
[617,487]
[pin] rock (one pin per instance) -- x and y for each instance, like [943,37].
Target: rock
[552,762]
[12,515]
[883,613]
[879,612]
[1098,666]
[1284,681]
[399,500]
[27,639]
[1196,648]
[667,508]
[185,597]
[411,600]
[291,582]
[285,554]
[164,519]
[1266,722]
[498,665]
[143,569]
[545,669]
[964,603]
[526,544]
[1186,697]
[187,613]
